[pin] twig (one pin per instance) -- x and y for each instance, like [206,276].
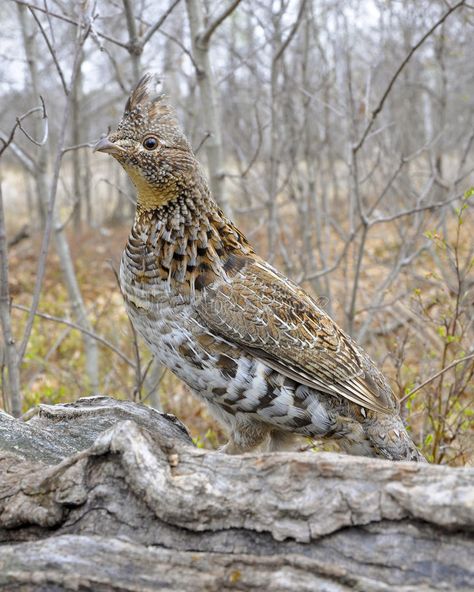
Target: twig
[68,323]
[50,23]
[435,376]
[259,145]
[205,37]
[206,136]
[44,139]
[183,48]
[408,57]
[17,125]
[51,50]
[21,154]
[21,235]
[70,21]
[291,34]
[152,30]
[371,223]
[77,146]
[433,206]
[120,191]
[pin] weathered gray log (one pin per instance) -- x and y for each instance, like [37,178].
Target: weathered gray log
[110,495]
[53,432]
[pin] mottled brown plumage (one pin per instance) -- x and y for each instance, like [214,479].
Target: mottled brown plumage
[264,356]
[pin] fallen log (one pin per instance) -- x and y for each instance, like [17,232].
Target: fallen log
[111,495]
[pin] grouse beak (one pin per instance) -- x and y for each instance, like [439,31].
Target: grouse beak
[105,145]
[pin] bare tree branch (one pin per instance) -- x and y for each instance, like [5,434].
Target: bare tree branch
[79,146]
[44,139]
[154,28]
[70,21]
[398,71]
[205,37]
[182,47]
[8,140]
[24,158]
[51,50]
[435,376]
[73,325]
[291,34]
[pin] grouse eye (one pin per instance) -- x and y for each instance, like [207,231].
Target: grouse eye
[150,143]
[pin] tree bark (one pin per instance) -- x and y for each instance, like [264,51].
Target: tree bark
[11,391]
[40,165]
[77,125]
[209,103]
[78,306]
[111,495]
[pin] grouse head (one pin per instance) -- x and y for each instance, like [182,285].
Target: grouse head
[151,147]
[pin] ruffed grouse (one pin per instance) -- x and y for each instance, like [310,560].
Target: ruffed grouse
[254,346]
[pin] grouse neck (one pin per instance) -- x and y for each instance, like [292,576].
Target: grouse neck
[189,242]
[185,213]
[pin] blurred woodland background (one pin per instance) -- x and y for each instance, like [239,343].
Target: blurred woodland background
[338,133]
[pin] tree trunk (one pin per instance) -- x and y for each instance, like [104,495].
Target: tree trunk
[77,125]
[209,105]
[8,352]
[40,173]
[111,495]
